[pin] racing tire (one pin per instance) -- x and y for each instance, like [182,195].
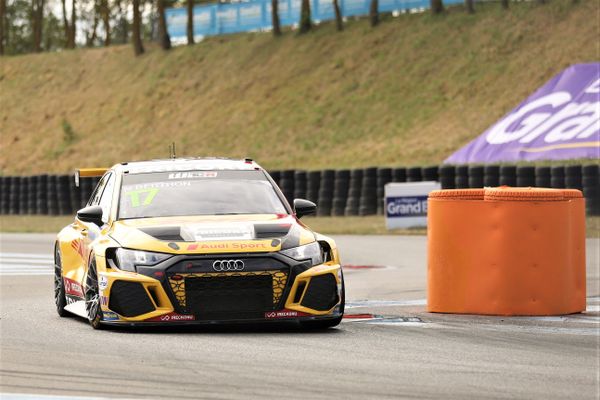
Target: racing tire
[60,299]
[92,296]
[327,323]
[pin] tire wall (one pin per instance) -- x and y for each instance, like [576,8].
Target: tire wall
[343,192]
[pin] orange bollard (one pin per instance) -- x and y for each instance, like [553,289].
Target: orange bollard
[506,251]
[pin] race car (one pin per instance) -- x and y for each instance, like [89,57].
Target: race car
[194,241]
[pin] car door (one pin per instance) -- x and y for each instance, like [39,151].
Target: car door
[87,232]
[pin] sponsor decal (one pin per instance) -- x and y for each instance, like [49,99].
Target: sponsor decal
[110,316]
[410,206]
[73,288]
[241,246]
[103,282]
[284,314]
[79,246]
[104,300]
[559,121]
[192,174]
[223,232]
[172,317]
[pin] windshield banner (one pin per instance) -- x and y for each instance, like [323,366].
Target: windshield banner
[561,120]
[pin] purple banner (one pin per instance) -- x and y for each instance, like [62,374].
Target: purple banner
[561,120]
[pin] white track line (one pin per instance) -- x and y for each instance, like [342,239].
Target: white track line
[14,264]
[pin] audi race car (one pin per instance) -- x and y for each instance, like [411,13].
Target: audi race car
[193,241]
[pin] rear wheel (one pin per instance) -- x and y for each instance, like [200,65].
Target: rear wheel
[92,296]
[59,288]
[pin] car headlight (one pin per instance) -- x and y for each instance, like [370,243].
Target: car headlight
[128,259]
[311,251]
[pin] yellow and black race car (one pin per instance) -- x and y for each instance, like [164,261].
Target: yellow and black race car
[192,241]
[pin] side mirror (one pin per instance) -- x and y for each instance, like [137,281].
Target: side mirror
[91,214]
[304,207]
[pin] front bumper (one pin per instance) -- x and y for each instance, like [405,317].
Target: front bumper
[159,295]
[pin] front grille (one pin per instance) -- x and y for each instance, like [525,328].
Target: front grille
[129,299]
[321,294]
[228,295]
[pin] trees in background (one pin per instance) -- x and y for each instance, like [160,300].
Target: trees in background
[69,24]
[374,12]
[339,21]
[190,21]
[469,6]
[437,6]
[275,18]
[136,29]
[37,23]
[305,21]
[2,19]
[105,12]
[163,35]
[32,26]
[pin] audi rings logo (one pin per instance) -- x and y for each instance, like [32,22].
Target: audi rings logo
[228,265]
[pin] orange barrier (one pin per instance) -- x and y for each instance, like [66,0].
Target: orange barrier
[506,251]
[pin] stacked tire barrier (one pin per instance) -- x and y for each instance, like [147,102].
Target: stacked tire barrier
[491,175]
[325,200]
[340,192]
[591,189]
[300,185]
[368,193]
[384,176]
[313,182]
[336,192]
[355,188]
[286,184]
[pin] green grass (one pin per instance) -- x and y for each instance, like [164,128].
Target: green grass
[371,225]
[408,92]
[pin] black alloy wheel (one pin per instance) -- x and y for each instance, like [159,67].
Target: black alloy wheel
[59,288]
[92,296]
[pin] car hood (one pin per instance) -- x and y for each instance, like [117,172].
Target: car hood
[212,234]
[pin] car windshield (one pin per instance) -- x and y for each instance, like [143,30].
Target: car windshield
[165,194]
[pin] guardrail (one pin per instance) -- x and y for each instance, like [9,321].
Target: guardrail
[224,18]
[337,192]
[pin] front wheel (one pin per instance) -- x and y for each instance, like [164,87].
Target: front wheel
[92,296]
[59,288]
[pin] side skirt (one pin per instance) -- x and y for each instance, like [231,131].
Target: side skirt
[76,307]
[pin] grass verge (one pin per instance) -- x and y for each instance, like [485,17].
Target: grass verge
[409,92]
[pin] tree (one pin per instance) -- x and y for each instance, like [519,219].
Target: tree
[37,23]
[105,12]
[339,22]
[70,27]
[305,22]
[437,6]
[190,22]
[275,18]
[374,12]
[163,35]
[470,7]
[504,4]
[2,18]
[136,33]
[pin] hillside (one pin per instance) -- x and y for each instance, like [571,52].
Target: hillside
[409,92]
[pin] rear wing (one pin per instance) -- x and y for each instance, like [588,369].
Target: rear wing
[88,173]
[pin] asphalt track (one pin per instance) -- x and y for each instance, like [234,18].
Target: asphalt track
[403,352]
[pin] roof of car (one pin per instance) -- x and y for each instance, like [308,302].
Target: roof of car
[187,164]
